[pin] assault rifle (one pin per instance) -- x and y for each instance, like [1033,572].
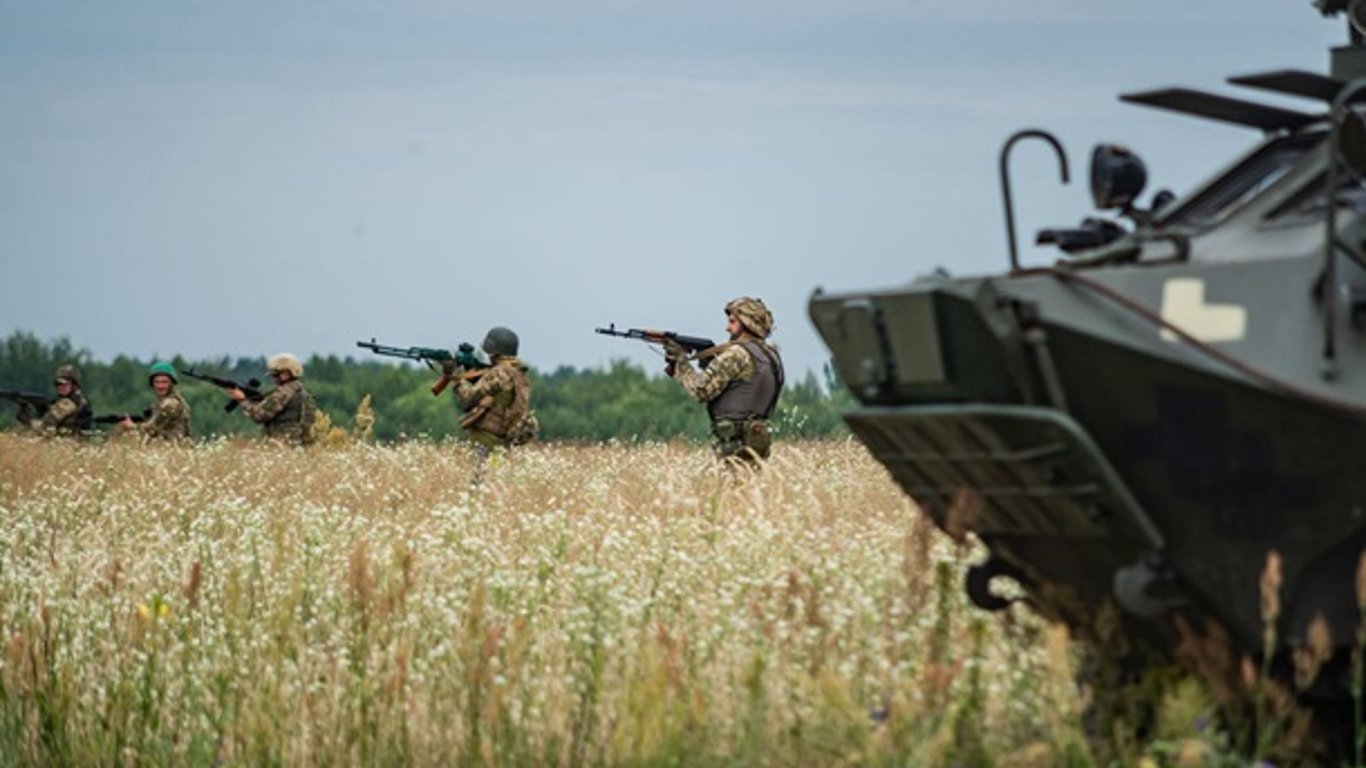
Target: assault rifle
[115,418]
[32,405]
[474,360]
[693,344]
[252,388]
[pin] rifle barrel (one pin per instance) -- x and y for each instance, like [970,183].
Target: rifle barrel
[407,353]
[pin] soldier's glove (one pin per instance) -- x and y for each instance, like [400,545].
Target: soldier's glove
[449,368]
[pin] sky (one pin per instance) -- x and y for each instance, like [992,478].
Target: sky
[208,178]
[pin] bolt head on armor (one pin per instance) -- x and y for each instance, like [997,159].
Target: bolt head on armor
[161,369]
[500,341]
[752,314]
[68,373]
[286,362]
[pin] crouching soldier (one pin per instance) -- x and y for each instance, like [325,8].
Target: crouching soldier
[496,402]
[69,413]
[287,412]
[740,385]
[170,416]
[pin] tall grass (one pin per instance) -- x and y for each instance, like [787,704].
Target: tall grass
[241,603]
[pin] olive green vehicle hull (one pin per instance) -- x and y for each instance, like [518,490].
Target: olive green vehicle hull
[1111,465]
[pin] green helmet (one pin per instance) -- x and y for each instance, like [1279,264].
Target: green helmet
[68,372]
[161,369]
[500,341]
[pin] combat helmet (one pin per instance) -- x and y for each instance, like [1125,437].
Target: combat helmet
[68,373]
[286,362]
[752,314]
[161,369]
[500,341]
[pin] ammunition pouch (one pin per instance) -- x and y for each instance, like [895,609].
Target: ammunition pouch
[747,439]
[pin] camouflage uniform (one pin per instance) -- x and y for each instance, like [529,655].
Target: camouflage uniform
[497,405]
[66,415]
[286,412]
[740,385]
[170,419]
[69,415]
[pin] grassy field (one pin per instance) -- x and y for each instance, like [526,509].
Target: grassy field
[239,603]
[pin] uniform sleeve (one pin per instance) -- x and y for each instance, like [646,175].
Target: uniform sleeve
[61,410]
[733,364]
[469,393]
[165,416]
[270,406]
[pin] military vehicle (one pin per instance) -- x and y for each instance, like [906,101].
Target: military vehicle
[1132,431]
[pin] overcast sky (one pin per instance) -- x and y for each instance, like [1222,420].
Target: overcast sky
[252,177]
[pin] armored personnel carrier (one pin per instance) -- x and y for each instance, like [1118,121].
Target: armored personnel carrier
[1133,431]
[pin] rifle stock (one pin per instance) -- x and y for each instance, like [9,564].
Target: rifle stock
[116,418]
[466,375]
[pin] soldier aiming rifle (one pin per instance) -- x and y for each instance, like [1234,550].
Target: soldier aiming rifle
[739,381]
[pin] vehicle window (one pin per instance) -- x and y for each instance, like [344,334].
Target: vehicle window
[1244,182]
[1312,201]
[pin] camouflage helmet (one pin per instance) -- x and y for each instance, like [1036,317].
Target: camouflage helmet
[752,314]
[500,341]
[286,362]
[161,369]
[68,373]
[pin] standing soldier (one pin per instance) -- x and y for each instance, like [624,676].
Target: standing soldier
[497,403]
[170,419]
[287,411]
[741,384]
[69,413]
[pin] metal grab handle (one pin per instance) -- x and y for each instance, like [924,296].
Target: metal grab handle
[1005,182]
[1330,239]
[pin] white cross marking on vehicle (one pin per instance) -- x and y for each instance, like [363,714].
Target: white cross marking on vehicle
[1183,305]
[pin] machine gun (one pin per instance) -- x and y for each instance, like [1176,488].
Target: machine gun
[693,344]
[32,405]
[252,388]
[467,356]
[116,418]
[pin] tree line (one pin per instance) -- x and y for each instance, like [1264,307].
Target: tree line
[619,402]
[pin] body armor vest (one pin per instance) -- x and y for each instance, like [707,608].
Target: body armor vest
[295,422]
[505,412]
[756,396]
[84,418]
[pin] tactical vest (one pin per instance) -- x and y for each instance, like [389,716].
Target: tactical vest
[756,396]
[83,419]
[504,414]
[295,422]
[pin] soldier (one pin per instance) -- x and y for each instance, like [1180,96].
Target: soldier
[69,413]
[496,403]
[170,419]
[740,385]
[287,411]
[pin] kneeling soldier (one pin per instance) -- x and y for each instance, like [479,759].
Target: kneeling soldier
[287,411]
[740,385]
[69,413]
[170,419]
